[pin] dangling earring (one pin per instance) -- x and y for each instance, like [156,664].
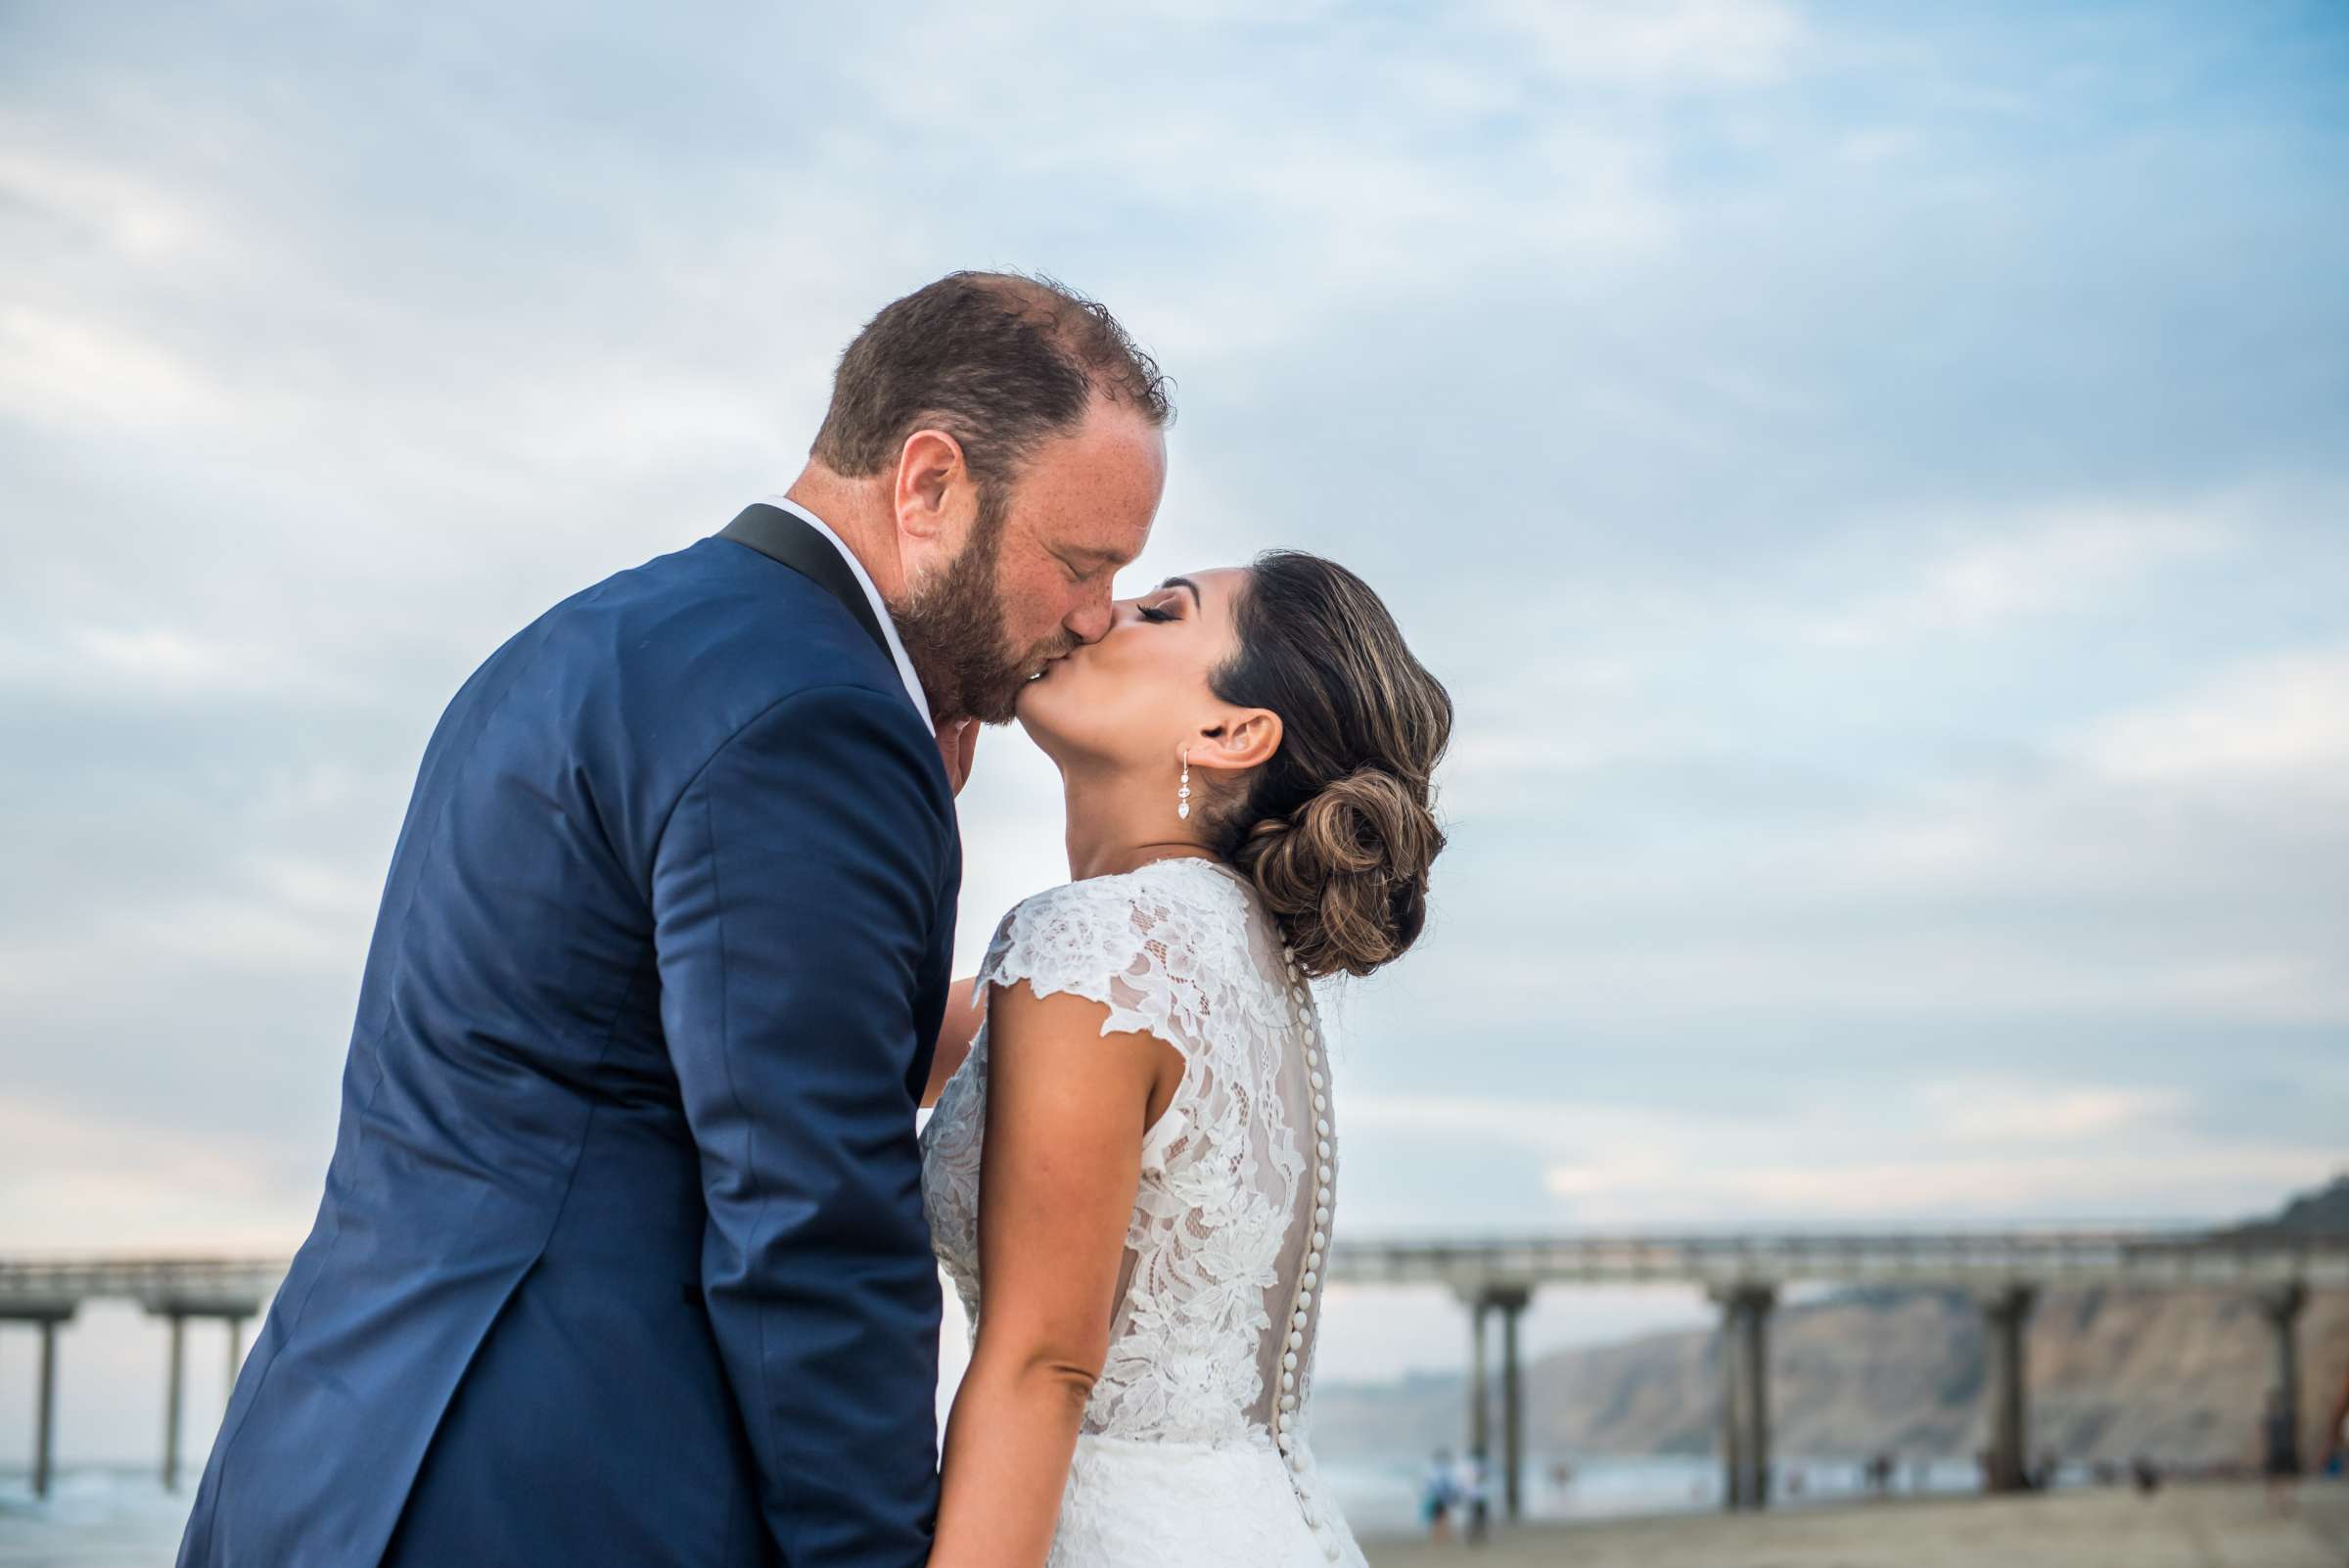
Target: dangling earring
[1182,796]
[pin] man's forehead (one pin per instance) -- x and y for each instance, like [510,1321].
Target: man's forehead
[1103,497]
[1097,534]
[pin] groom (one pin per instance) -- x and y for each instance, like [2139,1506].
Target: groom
[621,1258]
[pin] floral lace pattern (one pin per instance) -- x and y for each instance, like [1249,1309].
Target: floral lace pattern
[1231,1204]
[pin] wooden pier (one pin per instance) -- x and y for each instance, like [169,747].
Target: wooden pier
[1744,1276]
[47,1293]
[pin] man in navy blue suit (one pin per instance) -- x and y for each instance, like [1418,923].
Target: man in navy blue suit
[622,1257]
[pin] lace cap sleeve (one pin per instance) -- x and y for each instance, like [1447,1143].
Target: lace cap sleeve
[1131,942]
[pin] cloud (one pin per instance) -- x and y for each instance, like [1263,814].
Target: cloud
[82,199]
[53,369]
[1704,43]
[2117,1187]
[2282,721]
[2014,1111]
[1940,1151]
[2069,562]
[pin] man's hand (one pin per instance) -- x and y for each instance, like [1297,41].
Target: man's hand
[957,743]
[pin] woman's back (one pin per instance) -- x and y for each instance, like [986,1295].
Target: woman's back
[1200,1400]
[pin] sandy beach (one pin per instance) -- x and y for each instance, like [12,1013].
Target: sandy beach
[2203,1526]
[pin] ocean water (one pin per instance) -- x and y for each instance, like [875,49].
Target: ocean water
[122,1518]
[92,1518]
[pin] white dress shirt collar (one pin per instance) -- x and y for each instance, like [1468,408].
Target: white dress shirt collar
[865,580]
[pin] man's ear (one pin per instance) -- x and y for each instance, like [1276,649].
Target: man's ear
[1246,739]
[932,485]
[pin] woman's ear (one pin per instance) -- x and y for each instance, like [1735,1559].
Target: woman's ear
[1247,739]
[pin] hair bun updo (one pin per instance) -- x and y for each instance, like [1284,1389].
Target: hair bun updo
[1345,874]
[1336,829]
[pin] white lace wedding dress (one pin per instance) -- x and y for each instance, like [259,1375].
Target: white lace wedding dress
[1193,1451]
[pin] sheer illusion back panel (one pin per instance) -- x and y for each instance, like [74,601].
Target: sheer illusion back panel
[1182,950]
[1290,1124]
[1194,1449]
[1255,1093]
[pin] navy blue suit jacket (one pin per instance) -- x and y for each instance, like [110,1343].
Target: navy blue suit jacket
[621,1258]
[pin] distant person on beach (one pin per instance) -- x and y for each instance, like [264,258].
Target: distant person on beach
[1475,1491]
[1436,1495]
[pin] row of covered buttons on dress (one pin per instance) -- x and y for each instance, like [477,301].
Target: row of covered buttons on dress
[1292,1356]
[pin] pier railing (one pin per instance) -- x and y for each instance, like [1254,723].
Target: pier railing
[155,1283]
[2157,1259]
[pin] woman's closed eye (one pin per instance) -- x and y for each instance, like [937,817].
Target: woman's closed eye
[1154,614]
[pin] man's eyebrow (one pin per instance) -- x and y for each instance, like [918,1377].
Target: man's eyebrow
[1185,582]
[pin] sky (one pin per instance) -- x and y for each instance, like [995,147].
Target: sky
[1875,480]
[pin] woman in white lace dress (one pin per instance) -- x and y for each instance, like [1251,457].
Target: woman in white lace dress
[1132,1171]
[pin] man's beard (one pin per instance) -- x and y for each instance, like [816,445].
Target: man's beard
[953,632]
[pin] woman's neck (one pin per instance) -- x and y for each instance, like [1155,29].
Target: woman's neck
[1116,826]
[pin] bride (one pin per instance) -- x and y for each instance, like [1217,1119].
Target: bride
[1132,1168]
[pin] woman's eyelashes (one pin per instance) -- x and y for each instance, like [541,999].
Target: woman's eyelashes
[1154,614]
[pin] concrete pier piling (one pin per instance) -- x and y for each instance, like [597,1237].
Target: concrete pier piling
[173,1380]
[2007,1314]
[232,1312]
[1745,1394]
[44,1316]
[2281,1306]
[1510,1303]
[1480,1383]
[44,1420]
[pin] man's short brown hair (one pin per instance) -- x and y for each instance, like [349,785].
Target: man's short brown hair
[997,360]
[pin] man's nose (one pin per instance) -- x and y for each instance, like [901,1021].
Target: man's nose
[1092,620]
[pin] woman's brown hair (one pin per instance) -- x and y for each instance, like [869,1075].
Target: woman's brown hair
[1338,830]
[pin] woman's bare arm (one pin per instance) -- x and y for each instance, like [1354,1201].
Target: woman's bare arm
[1067,1107]
[955,1032]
